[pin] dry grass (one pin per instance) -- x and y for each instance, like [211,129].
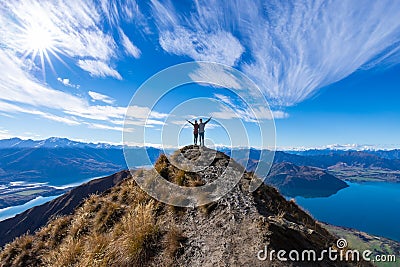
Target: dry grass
[108,215]
[20,254]
[173,243]
[97,251]
[281,214]
[122,227]
[161,166]
[135,238]
[67,254]
[179,178]
[54,232]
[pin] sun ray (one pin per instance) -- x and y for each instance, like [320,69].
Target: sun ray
[38,42]
[46,54]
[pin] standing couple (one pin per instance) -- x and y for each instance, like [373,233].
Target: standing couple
[198,129]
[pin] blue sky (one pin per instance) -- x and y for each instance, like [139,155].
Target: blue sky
[329,69]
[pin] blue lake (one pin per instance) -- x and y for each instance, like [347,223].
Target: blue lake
[372,207]
[9,212]
[14,210]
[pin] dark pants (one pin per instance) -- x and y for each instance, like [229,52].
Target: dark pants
[195,135]
[201,139]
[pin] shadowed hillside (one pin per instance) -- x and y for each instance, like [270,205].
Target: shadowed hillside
[36,217]
[292,180]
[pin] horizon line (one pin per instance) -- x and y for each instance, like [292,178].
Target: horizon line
[337,147]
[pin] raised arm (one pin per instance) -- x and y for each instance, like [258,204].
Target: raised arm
[190,122]
[207,120]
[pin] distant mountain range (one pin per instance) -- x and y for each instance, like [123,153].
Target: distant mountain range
[365,159]
[60,162]
[323,159]
[387,154]
[52,142]
[58,166]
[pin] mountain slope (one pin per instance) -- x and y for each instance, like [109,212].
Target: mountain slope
[126,227]
[293,180]
[38,216]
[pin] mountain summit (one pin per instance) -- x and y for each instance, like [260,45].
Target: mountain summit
[124,226]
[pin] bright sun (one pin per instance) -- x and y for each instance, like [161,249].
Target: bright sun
[39,38]
[39,41]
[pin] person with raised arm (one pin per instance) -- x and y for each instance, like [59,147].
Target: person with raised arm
[202,126]
[195,131]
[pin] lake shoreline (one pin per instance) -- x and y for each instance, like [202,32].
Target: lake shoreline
[369,207]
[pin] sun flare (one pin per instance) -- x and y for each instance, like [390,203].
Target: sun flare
[39,38]
[39,42]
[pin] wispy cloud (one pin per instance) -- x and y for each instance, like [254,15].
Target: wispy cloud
[294,47]
[237,109]
[19,86]
[10,108]
[76,29]
[190,36]
[129,47]
[219,75]
[22,93]
[299,48]
[98,68]
[4,134]
[100,97]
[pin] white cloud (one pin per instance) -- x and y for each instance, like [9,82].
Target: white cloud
[100,97]
[67,82]
[187,36]
[202,46]
[253,114]
[19,86]
[49,116]
[226,113]
[217,75]
[147,123]
[129,47]
[127,11]
[105,127]
[279,114]
[21,93]
[73,25]
[10,108]
[98,68]
[4,134]
[75,29]
[293,48]
[224,99]
[299,48]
